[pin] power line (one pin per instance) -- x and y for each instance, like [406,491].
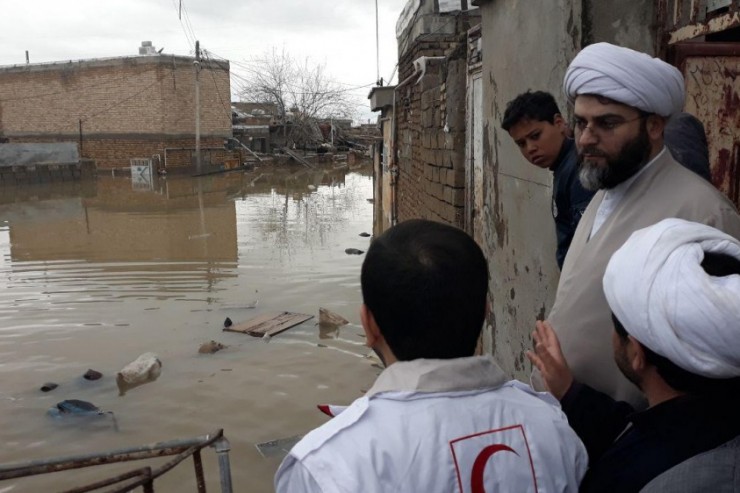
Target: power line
[187,20]
[215,85]
[189,35]
[298,91]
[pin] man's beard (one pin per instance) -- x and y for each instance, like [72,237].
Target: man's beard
[631,158]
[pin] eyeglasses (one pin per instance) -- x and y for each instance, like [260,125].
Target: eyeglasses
[605,125]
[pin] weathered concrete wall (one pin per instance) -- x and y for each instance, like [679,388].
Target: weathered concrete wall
[137,102]
[522,52]
[625,23]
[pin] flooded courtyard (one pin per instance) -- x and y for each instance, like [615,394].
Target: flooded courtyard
[93,274]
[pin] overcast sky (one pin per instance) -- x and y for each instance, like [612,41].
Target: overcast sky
[340,34]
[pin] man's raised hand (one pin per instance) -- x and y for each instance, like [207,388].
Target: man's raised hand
[549,360]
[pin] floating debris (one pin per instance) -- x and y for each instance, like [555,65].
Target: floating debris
[144,369]
[75,408]
[279,447]
[330,320]
[353,251]
[365,235]
[49,386]
[91,374]
[328,317]
[211,347]
[228,322]
[269,324]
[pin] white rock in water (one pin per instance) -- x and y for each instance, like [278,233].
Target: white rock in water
[144,369]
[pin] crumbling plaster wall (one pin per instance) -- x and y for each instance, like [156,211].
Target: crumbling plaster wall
[625,23]
[523,51]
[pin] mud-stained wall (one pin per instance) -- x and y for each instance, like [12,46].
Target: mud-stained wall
[522,52]
[625,23]
[713,95]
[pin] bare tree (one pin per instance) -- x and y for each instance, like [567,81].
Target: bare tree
[302,91]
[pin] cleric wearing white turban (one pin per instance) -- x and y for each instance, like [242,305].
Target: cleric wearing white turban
[622,100]
[626,76]
[656,287]
[674,291]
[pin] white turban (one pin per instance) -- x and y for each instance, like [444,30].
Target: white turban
[657,288]
[626,76]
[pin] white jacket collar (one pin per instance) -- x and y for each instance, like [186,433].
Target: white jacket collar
[439,375]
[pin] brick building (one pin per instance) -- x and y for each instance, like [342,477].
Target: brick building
[119,108]
[422,159]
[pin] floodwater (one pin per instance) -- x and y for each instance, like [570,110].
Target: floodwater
[94,274]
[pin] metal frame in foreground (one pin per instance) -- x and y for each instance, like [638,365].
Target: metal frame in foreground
[143,477]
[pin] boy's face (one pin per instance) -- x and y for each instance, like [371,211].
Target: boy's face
[539,141]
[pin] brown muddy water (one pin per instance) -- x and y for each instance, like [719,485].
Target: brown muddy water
[94,274]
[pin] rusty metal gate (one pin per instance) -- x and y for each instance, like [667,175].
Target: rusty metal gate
[713,95]
[702,38]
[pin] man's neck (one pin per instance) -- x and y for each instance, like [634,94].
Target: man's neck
[657,391]
[655,147]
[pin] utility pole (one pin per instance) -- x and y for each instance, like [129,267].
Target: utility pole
[377,45]
[196,65]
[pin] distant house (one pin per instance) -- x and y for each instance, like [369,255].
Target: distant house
[119,108]
[252,122]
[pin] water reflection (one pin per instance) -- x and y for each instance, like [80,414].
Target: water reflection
[92,275]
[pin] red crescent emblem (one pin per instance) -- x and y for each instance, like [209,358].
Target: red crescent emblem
[479,466]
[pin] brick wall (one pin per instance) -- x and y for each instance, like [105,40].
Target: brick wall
[118,108]
[431,133]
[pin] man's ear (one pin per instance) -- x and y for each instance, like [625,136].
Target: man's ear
[372,331]
[655,126]
[636,355]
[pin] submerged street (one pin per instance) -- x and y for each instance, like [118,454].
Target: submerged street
[93,274]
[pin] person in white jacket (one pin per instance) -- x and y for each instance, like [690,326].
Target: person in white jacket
[438,418]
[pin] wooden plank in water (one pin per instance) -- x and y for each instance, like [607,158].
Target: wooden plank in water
[269,324]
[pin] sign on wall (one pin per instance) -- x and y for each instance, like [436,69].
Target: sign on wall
[141,174]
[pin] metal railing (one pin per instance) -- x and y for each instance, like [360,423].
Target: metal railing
[142,477]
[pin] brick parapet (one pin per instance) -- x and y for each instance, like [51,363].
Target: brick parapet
[136,104]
